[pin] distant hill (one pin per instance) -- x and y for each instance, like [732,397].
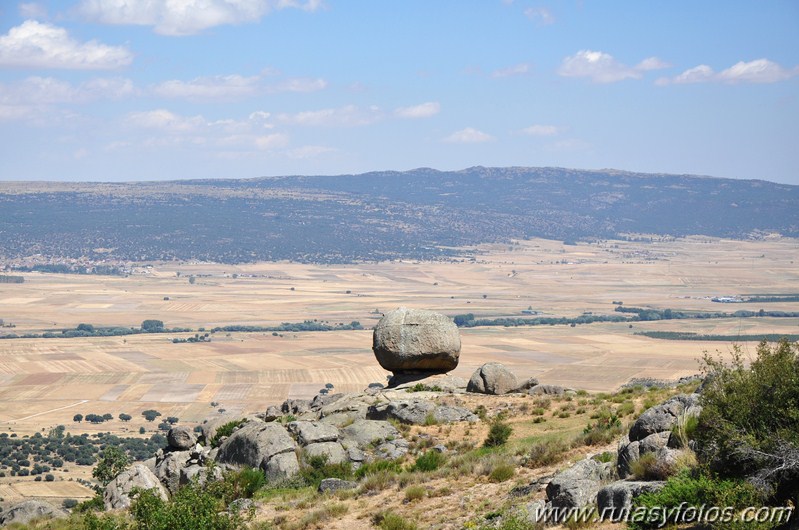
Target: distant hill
[417,214]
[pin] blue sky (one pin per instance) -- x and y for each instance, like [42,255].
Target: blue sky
[117,90]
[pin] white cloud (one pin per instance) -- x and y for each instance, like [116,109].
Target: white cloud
[167,121]
[300,84]
[540,15]
[757,71]
[224,136]
[697,74]
[36,96]
[185,17]
[468,135]
[348,116]
[602,67]
[519,69]
[231,87]
[651,63]
[542,130]
[203,88]
[271,141]
[32,10]
[39,45]
[425,110]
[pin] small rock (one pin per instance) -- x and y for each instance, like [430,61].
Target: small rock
[310,432]
[181,438]
[331,450]
[336,484]
[550,390]
[616,499]
[272,413]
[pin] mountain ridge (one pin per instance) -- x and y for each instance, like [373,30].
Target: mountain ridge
[417,214]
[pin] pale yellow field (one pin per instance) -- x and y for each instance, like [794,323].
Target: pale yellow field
[44,382]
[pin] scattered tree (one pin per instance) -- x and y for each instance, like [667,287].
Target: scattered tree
[113,462]
[77,418]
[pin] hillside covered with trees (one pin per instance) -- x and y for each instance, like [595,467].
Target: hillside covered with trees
[418,214]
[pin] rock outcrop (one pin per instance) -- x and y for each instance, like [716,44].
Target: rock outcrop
[117,493]
[254,444]
[578,486]
[26,511]
[652,433]
[616,499]
[415,340]
[181,438]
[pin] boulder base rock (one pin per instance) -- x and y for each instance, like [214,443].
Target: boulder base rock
[492,378]
[25,512]
[254,444]
[412,340]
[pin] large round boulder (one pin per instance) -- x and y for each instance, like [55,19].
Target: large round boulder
[415,340]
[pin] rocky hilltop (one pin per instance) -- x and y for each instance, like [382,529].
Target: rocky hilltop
[430,450]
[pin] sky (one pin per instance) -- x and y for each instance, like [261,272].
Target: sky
[122,90]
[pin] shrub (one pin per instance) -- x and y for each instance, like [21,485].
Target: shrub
[245,482]
[378,466]
[687,490]
[685,430]
[315,469]
[194,506]
[648,467]
[69,503]
[392,521]
[547,452]
[225,430]
[502,472]
[415,493]
[429,461]
[749,426]
[498,434]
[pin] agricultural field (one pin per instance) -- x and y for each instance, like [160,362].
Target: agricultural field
[45,382]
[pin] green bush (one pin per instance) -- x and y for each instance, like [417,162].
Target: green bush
[378,466]
[415,493]
[429,461]
[245,482]
[749,426]
[392,521]
[501,472]
[194,506]
[498,434]
[225,430]
[695,490]
[315,469]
